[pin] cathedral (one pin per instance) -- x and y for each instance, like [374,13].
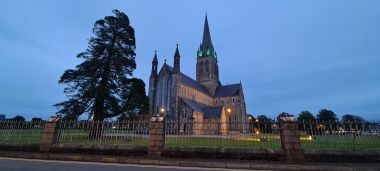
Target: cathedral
[203,100]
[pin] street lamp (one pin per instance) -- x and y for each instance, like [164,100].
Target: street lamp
[229,110]
[250,118]
[162,110]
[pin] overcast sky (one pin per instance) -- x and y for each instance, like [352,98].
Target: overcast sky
[290,55]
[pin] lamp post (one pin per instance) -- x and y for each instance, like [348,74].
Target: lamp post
[229,110]
[162,111]
[229,116]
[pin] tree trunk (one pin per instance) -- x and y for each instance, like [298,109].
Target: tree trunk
[96,130]
[99,109]
[96,127]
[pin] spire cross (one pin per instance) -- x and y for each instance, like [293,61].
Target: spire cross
[165,61]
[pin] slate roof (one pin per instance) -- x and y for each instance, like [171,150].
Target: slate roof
[221,91]
[189,81]
[194,105]
[212,112]
[228,90]
[206,41]
[192,83]
[208,111]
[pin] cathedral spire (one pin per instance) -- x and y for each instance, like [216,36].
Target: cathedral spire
[176,54]
[206,41]
[176,60]
[154,65]
[155,61]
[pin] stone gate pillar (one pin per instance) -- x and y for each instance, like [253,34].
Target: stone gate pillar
[156,136]
[290,140]
[50,134]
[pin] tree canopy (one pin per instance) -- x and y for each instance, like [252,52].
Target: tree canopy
[18,118]
[325,115]
[306,116]
[102,86]
[263,118]
[352,118]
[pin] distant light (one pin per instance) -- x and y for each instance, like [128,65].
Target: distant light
[309,138]
[162,110]
[229,110]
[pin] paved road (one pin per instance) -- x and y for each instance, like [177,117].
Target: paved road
[10,164]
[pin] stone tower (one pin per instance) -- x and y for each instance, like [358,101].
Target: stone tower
[207,62]
[152,85]
[176,79]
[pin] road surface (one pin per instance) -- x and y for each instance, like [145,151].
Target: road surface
[12,164]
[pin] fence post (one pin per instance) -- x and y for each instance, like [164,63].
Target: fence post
[290,141]
[156,136]
[50,134]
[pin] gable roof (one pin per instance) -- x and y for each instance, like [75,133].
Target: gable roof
[221,91]
[212,112]
[228,90]
[189,81]
[192,83]
[208,111]
[194,105]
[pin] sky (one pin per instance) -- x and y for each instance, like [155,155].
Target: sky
[290,55]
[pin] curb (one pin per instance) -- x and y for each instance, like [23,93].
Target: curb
[185,163]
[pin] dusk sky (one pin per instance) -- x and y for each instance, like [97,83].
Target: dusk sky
[290,55]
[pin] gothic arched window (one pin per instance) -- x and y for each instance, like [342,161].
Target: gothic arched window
[201,68]
[207,65]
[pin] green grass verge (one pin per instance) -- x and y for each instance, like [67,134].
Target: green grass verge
[111,137]
[21,136]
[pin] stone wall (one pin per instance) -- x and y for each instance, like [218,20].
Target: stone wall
[156,137]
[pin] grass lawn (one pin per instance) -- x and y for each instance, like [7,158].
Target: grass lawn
[109,137]
[265,142]
[21,136]
[346,142]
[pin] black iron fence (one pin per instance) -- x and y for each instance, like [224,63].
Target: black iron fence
[258,135]
[219,134]
[340,135]
[20,132]
[123,133]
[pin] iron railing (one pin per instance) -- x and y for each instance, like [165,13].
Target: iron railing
[123,133]
[21,132]
[340,135]
[217,135]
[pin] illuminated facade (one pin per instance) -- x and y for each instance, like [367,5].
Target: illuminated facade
[205,99]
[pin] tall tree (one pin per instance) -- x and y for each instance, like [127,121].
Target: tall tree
[264,124]
[18,118]
[352,118]
[101,86]
[263,118]
[325,115]
[137,101]
[306,116]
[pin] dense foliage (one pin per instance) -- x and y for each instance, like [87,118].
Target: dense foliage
[102,85]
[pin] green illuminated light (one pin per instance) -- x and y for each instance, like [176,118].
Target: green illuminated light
[200,53]
[208,52]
